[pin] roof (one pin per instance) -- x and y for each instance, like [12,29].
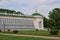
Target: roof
[17,15]
[36,14]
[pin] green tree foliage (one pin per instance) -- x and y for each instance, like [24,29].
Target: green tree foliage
[55,16]
[20,13]
[45,22]
[48,22]
[9,11]
[54,19]
[6,10]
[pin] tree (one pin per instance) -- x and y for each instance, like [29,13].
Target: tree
[55,16]
[10,11]
[48,22]
[20,13]
[45,22]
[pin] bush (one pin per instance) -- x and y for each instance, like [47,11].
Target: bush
[36,29]
[8,30]
[15,31]
[53,32]
[0,30]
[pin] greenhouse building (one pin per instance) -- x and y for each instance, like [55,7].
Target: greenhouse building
[20,22]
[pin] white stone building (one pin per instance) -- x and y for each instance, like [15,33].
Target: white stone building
[20,22]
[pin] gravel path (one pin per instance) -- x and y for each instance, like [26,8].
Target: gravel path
[49,37]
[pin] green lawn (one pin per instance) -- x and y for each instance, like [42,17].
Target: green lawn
[3,37]
[41,32]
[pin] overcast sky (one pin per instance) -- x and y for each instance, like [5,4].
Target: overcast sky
[29,6]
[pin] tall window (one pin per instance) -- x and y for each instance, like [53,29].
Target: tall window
[40,24]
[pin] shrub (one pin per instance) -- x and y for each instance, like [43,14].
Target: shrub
[36,29]
[8,30]
[53,32]
[0,30]
[15,31]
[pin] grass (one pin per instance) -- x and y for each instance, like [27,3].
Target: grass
[41,32]
[4,37]
[32,32]
[58,34]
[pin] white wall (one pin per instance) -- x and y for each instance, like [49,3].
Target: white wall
[37,23]
[35,20]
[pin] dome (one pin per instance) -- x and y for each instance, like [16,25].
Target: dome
[36,14]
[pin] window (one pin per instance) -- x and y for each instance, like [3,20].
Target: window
[40,24]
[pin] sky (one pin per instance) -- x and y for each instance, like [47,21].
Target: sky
[28,6]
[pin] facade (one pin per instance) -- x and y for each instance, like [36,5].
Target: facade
[20,22]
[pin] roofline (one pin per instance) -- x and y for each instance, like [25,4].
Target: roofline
[17,16]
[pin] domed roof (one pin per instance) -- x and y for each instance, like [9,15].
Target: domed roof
[36,14]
